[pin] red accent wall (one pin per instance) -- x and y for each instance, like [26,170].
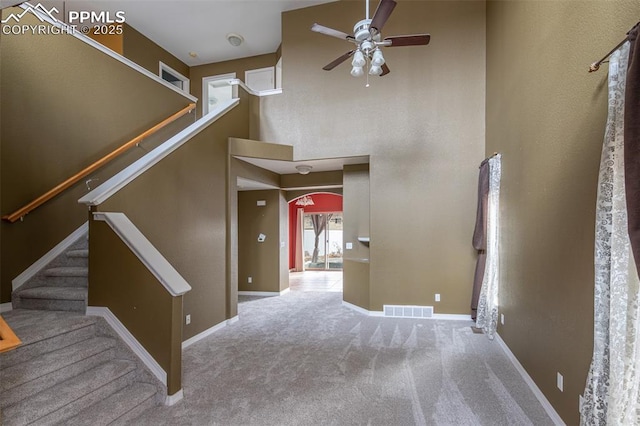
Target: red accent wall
[324,203]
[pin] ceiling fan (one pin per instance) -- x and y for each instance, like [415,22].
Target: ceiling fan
[367,38]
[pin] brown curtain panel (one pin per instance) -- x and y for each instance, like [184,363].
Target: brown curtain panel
[480,235]
[632,143]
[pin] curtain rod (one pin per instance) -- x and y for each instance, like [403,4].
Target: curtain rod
[488,158]
[596,65]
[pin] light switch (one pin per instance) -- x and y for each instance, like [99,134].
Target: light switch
[261,203]
[348,246]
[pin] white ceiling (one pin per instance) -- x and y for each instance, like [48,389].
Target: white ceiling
[201,26]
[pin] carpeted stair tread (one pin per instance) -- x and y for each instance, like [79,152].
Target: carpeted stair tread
[53,361]
[83,253]
[32,326]
[55,293]
[129,401]
[67,271]
[67,399]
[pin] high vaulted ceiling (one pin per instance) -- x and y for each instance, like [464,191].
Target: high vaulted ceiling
[201,26]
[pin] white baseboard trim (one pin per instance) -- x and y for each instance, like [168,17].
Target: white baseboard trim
[209,331]
[190,341]
[362,310]
[285,291]
[172,399]
[452,317]
[130,340]
[532,385]
[6,307]
[39,264]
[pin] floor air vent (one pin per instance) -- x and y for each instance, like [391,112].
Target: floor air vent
[405,311]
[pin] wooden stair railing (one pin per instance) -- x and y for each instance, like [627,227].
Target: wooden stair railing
[8,339]
[21,212]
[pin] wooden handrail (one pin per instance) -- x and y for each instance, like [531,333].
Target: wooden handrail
[8,339]
[93,167]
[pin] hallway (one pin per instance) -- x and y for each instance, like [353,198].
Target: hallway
[323,281]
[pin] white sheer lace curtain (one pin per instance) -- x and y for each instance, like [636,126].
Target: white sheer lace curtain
[487,314]
[612,390]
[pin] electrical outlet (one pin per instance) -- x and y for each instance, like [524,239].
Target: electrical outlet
[437,297]
[502,319]
[187,319]
[249,280]
[560,382]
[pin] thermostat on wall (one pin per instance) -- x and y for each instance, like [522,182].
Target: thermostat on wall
[261,238]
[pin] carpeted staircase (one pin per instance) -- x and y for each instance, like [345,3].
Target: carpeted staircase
[61,286]
[71,369]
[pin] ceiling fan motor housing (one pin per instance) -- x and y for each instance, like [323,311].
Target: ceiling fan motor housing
[361,30]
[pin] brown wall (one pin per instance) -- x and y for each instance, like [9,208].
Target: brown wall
[547,115]
[121,282]
[423,126]
[148,54]
[260,261]
[239,66]
[114,42]
[356,201]
[187,219]
[58,116]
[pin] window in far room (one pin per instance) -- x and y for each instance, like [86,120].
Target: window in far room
[174,77]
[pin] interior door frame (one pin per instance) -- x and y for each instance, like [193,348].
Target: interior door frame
[205,88]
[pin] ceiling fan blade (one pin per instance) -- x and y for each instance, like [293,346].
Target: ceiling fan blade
[385,70]
[338,61]
[330,32]
[408,40]
[385,7]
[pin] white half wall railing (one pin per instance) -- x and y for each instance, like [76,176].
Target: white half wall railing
[155,262]
[249,90]
[121,179]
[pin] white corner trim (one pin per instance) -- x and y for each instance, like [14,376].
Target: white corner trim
[6,307]
[88,40]
[452,317]
[157,264]
[39,264]
[259,293]
[260,93]
[233,320]
[532,385]
[129,173]
[130,340]
[190,341]
[362,310]
[172,399]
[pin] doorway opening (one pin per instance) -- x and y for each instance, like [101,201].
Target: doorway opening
[322,241]
[315,232]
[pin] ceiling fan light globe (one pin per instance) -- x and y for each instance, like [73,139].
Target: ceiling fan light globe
[357,72]
[358,59]
[375,70]
[378,59]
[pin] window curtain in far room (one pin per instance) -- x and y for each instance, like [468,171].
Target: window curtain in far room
[487,315]
[612,389]
[319,222]
[299,250]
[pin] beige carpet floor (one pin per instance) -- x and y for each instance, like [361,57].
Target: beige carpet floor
[305,359]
